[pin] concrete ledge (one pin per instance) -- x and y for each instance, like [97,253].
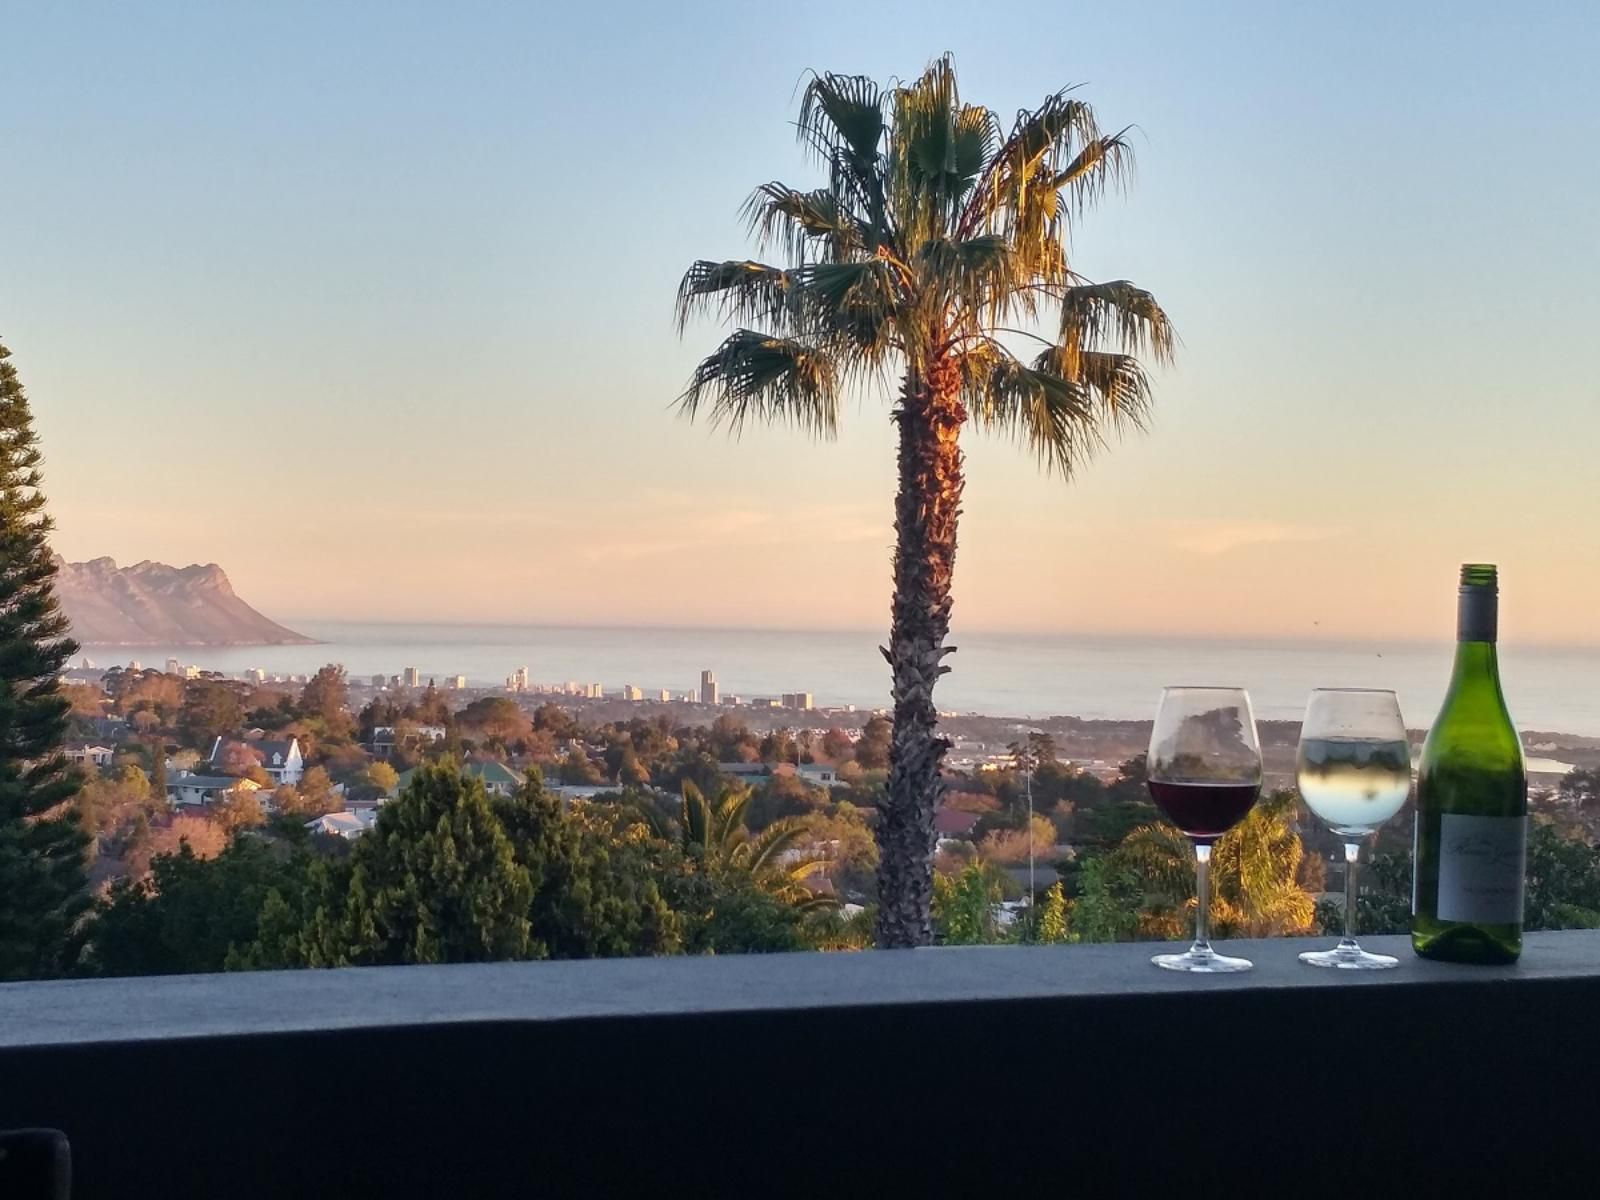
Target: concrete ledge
[1080,1069]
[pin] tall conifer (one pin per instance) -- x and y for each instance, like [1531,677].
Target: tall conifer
[43,884]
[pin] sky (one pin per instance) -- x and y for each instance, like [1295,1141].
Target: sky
[372,305]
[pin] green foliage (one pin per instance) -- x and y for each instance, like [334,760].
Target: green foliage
[1053,917]
[577,770]
[727,913]
[211,708]
[596,878]
[436,880]
[43,888]
[1383,902]
[716,837]
[963,905]
[324,702]
[1109,897]
[1563,881]
[190,914]
[1255,889]
[872,747]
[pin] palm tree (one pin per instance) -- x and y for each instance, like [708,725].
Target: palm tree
[716,836]
[936,234]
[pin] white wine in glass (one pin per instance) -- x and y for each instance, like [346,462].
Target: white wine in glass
[1354,773]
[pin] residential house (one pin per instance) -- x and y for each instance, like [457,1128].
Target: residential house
[348,825]
[386,737]
[90,754]
[188,790]
[280,759]
[498,779]
[821,775]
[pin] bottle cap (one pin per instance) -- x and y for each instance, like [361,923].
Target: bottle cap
[1479,576]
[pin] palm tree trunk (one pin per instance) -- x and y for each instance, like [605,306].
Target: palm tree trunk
[930,416]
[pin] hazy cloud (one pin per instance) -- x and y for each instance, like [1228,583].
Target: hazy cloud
[1219,537]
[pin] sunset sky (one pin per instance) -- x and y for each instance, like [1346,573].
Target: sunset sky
[372,305]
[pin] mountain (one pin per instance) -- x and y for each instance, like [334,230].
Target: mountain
[152,604]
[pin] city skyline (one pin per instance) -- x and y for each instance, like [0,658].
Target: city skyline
[344,305]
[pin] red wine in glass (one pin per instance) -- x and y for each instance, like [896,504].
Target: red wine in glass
[1204,811]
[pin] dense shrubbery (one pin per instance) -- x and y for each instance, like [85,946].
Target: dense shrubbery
[451,874]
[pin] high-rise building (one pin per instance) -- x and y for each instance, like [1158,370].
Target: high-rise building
[629,692]
[800,700]
[519,680]
[665,697]
[709,692]
[595,691]
[174,667]
[256,675]
[413,677]
[458,683]
[378,681]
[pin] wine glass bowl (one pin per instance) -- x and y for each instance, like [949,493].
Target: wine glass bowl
[1204,772]
[1353,770]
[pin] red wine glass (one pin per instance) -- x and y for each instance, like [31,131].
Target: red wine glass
[1204,773]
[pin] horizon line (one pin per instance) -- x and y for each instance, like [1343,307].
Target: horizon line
[877,631]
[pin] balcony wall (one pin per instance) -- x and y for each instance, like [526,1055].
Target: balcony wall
[1073,1071]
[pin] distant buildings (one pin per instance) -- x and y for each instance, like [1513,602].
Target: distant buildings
[412,677]
[190,791]
[800,700]
[595,691]
[348,825]
[458,683]
[665,697]
[174,667]
[764,702]
[629,692]
[256,675]
[386,737]
[518,680]
[378,682]
[95,754]
[709,692]
[281,760]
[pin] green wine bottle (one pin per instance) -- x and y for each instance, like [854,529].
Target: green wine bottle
[1472,802]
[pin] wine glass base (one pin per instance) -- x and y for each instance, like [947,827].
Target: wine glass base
[1348,958]
[1207,962]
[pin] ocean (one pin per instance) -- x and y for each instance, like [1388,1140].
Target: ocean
[997,674]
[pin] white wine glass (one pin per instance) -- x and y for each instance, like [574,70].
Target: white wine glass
[1204,773]
[1354,773]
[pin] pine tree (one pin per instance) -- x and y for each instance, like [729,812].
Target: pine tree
[43,885]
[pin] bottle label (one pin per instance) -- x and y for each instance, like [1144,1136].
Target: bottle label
[1481,868]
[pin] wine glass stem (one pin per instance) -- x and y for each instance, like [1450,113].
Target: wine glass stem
[1202,892]
[1352,858]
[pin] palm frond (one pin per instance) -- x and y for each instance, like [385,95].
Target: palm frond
[775,379]
[771,842]
[1102,162]
[1116,313]
[842,114]
[696,818]
[1115,383]
[981,275]
[798,221]
[739,290]
[1050,415]
[730,830]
